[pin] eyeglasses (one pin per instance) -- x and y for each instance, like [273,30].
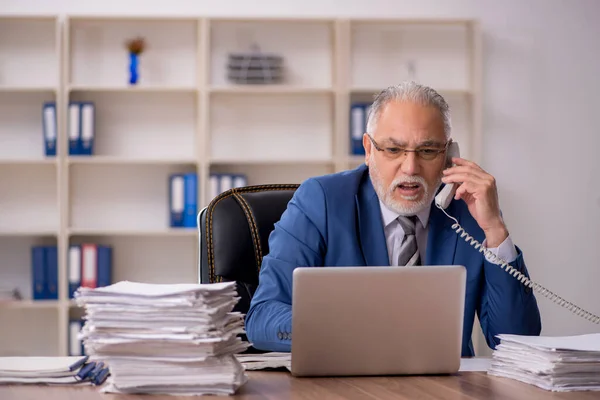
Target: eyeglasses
[426,153]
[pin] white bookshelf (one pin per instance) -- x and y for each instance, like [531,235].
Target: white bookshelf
[185,116]
[30,182]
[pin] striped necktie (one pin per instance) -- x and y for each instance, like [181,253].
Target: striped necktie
[409,252]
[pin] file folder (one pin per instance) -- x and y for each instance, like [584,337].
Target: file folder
[214,186]
[358,126]
[74,128]
[71,370]
[74,269]
[191,200]
[51,265]
[38,273]
[176,200]
[88,131]
[89,265]
[50,128]
[240,180]
[104,265]
[226,182]
[75,344]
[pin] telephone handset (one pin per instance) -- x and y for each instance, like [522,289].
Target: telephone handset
[443,200]
[444,197]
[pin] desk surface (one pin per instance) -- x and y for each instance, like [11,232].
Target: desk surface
[281,385]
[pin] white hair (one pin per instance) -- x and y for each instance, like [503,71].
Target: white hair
[413,92]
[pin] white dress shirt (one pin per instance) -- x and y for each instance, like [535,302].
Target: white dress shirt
[394,235]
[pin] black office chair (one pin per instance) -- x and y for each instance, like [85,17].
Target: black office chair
[234,232]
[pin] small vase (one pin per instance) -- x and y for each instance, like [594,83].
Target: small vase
[133,68]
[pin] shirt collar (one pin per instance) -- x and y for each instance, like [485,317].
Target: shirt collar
[388,216]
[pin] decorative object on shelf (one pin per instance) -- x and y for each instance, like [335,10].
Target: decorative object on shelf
[255,67]
[136,47]
[10,294]
[411,67]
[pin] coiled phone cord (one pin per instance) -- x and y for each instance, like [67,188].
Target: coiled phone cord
[519,276]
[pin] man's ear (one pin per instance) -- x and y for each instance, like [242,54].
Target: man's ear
[367,145]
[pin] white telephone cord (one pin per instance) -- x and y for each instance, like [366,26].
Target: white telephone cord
[518,275]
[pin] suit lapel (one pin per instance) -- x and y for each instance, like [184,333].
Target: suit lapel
[370,226]
[441,240]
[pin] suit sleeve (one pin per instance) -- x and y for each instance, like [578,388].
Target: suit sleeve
[298,240]
[507,306]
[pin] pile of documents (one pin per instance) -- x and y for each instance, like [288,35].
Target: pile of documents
[51,371]
[560,364]
[179,339]
[271,360]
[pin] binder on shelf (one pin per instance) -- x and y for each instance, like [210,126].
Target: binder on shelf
[359,112]
[49,127]
[51,272]
[75,344]
[176,200]
[219,183]
[74,128]
[88,128]
[44,272]
[74,269]
[240,180]
[191,200]
[214,185]
[226,182]
[38,273]
[89,265]
[104,266]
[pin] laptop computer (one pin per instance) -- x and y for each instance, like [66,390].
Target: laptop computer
[359,321]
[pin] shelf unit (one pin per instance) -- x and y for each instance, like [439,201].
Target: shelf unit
[184,116]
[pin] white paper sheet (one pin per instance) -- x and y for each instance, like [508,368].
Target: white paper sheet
[588,342]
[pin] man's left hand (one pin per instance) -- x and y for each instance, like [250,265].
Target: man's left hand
[478,189]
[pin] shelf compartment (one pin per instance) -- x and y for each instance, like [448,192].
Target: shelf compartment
[29,56]
[116,198]
[29,198]
[99,57]
[15,269]
[271,127]
[143,125]
[386,53]
[306,64]
[149,259]
[269,173]
[29,331]
[21,130]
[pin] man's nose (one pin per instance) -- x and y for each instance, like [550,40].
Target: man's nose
[410,164]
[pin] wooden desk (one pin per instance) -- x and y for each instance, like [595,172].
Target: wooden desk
[281,385]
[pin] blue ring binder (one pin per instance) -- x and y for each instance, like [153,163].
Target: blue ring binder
[78,363]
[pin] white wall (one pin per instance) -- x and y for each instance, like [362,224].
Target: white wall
[541,86]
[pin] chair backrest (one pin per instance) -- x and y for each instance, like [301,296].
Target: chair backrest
[234,234]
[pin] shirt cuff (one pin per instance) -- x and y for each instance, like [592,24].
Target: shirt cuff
[506,251]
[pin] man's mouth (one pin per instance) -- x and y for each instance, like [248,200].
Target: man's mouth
[409,188]
[408,185]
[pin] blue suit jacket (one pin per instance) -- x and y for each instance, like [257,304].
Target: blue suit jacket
[335,220]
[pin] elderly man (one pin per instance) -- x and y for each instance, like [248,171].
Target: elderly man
[381,213]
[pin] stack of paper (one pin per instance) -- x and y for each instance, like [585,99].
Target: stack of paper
[165,339]
[51,371]
[271,360]
[565,363]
